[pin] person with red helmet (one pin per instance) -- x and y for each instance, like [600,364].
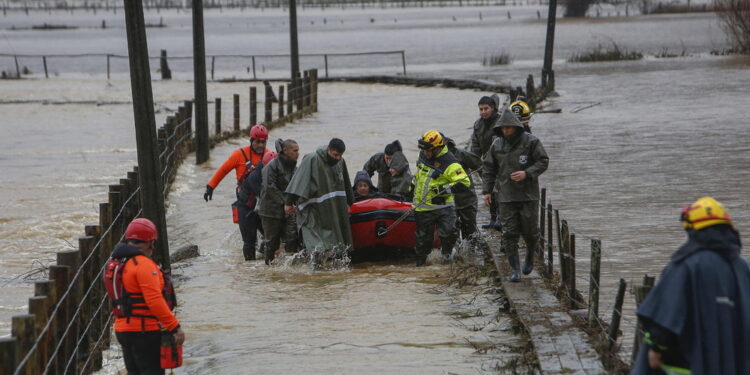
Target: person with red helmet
[149,315]
[243,160]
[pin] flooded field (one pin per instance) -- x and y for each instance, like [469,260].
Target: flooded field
[659,133]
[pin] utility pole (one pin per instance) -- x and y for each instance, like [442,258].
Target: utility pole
[293,41]
[548,76]
[149,167]
[199,83]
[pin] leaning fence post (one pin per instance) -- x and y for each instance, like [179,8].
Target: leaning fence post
[542,208]
[550,251]
[23,328]
[18,68]
[614,327]
[403,61]
[596,264]
[325,59]
[217,119]
[640,294]
[281,101]
[254,75]
[572,268]
[44,62]
[253,106]
[236,102]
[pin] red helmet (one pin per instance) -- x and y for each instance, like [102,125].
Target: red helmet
[141,229]
[259,132]
[268,156]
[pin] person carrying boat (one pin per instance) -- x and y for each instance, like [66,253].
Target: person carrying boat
[363,187]
[466,200]
[276,222]
[394,176]
[439,175]
[321,191]
[481,139]
[243,160]
[512,167]
[697,317]
[147,314]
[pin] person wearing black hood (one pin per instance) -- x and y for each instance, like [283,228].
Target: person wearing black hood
[363,187]
[697,317]
[481,139]
[394,176]
[276,222]
[512,167]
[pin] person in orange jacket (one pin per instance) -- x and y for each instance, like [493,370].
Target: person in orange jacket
[243,160]
[140,332]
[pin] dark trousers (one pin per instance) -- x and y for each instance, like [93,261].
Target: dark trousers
[140,350]
[249,226]
[445,220]
[519,219]
[275,229]
[467,220]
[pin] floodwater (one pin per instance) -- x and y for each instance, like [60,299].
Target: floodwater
[659,134]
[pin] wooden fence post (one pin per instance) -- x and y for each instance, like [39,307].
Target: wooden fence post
[596,264]
[9,355]
[314,79]
[563,252]
[403,61]
[236,102]
[550,250]
[298,92]
[640,294]
[108,65]
[572,268]
[213,62]
[614,327]
[290,101]
[254,75]
[24,330]
[166,73]
[281,101]
[39,308]
[530,92]
[268,106]
[72,259]
[542,221]
[44,62]
[47,289]
[253,106]
[217,119]
[306,88]
[325,62]
[60,276]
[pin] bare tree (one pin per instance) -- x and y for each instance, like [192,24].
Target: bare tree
[576,8]
[735,17]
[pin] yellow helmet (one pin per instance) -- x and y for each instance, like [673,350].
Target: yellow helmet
[704,213]
[431,139]
[522,110]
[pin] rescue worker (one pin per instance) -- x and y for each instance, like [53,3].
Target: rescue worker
[439,175]
[512,167]
[278,224]
[321,190]
[481,139]
[363,187]
[697,317]
[394,176]
[466,201]
[522,111]
[242,161]
[140,334]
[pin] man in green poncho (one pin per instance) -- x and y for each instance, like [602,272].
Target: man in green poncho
[322,193]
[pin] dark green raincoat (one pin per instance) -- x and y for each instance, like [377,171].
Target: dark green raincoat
[323,194]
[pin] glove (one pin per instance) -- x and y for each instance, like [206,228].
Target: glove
[209,193]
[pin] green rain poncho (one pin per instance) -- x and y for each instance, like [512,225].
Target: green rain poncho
[323,194]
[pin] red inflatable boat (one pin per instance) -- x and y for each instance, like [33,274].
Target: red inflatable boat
[370,217]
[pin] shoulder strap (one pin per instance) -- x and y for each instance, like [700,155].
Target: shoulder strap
[242,150]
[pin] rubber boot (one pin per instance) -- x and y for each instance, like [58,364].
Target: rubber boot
[492,224]
[515,266]
[421,262]
[528,263]
[269,254]
[248,250]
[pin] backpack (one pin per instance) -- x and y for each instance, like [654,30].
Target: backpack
[122,301]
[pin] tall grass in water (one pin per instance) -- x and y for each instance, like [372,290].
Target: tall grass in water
[599,53]
[497,58]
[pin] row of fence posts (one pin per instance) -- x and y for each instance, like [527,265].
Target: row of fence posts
[69,320]
[301,98]
[566,248]
[68,325]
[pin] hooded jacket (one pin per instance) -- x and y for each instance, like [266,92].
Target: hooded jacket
[483,134]
[520,152]
[359,177]
[276,177]
[437,180]
[700,307]
[398,184]
[322,191]
[470,162]
[143,276]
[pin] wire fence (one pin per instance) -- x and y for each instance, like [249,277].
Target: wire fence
[69,321]
[218,67]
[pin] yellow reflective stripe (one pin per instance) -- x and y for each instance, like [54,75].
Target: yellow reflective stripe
[674,370]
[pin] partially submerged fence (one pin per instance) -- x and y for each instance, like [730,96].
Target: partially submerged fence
[69,321]
[219,66]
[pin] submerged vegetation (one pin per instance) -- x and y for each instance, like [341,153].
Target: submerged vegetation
[497,58]
[600,53]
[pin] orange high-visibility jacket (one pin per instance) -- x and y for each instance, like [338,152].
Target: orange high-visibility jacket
[142,275]
[237,162]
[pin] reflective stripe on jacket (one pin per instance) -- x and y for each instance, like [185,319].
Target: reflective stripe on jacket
[434,177]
